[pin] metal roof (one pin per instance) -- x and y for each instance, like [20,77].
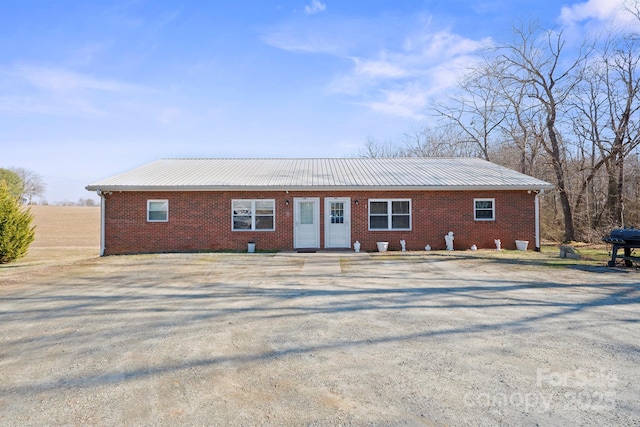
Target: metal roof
[317,173]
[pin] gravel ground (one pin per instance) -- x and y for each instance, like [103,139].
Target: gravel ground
[318,339]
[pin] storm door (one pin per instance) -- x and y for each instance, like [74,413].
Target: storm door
[306,232]
[337,222]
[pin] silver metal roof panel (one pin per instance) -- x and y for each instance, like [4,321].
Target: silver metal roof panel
[321,173]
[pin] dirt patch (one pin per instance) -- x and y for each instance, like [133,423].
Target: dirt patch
[319,339]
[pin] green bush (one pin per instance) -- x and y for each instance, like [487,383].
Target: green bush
[16,232]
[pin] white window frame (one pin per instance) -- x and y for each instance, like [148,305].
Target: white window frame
[390,215]
[166,209]
[493,209]
[253,214]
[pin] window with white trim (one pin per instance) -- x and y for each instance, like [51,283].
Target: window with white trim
[253,215]
[157,210]
[390,214]
[484,209]
[337,212]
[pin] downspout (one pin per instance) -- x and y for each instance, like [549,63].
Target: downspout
[102,202]
[537,220]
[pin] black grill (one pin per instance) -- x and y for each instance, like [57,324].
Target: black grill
[627,239]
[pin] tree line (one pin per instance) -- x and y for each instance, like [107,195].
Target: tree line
[569,115]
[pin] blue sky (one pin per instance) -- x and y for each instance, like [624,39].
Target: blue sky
[89,89]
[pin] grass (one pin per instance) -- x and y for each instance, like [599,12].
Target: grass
[549,255]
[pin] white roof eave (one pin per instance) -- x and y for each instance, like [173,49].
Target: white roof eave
[121,188]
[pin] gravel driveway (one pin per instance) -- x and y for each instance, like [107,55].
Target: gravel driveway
[318,339]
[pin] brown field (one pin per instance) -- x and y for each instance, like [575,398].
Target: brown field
[64,233]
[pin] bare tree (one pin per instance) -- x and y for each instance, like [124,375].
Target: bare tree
[446,141]
[81,202]
[534,61]
[425,142]
[623,90]
[33,184]
[588,121]
[523,127]
[375,149]
[477,111]
[608,125]
[633,6]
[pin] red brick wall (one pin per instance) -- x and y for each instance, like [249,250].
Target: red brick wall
[201,221]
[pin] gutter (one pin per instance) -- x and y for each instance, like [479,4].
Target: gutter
[102,220]
[537,220]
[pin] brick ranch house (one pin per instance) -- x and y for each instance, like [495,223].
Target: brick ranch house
[181,205]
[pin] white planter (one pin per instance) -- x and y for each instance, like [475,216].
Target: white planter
[251,247]
[521,245]
[382,246]
[356,246]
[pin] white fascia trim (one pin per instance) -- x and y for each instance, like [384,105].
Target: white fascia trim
[122,188]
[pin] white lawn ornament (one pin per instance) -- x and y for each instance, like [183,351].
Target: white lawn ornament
[448,238]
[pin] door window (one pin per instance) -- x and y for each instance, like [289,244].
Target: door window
[337,213]
[306,212]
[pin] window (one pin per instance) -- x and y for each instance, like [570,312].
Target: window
[484,209]
[157,210]
[337,212]
[306,212]
[390,214]
[253,215]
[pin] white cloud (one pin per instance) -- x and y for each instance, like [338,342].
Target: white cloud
[335,36]
[285,40]
[378,68]
[316,6]
[66,106]
[591,9]
[393,65]
[61,80]
[603,12]
[408,102]
[400,82]
[170,116]
[56,91]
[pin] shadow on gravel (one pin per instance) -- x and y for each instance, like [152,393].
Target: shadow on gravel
[99,310]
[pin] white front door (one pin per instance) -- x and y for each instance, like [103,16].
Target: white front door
[337,222]
[306,232]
